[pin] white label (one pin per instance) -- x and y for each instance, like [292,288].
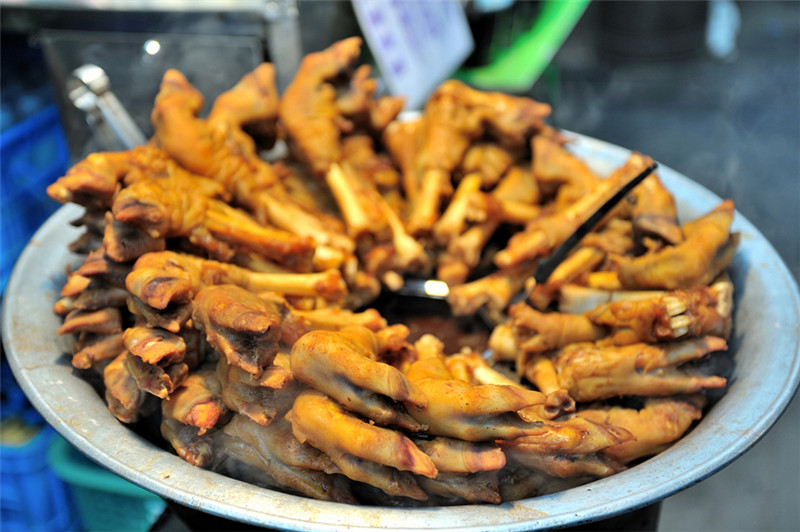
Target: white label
[417,44]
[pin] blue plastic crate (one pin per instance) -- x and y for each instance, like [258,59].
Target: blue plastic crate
[103,500]
[33,154]
[32,497]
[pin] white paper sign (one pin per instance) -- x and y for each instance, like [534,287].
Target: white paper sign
[417,44]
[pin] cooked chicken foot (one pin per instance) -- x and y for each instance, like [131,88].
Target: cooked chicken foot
[542,235]
[289,464]
[364,452]
[343,365]
[590,372]
[672,315]
[197,401]
[167,209]
[197,449]
[264,399]
[239,325]
[95,180]
[463,410]
[124,398]
[537,332]
[706,250]
[159,279]
[660,423]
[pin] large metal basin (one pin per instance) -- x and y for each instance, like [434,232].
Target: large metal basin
[765,346]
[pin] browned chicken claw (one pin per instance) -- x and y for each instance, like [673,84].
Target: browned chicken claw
[102,321]
[575,436]
[478,370]
[566,466]
[315,115]
[673,315]
[159,380]
[197,449]
[264,399]
[251,104]
[590,372]
[706,250]
[543,234]
[364,452]
[217,149]
[196,402]
[557,170]
[240,325]
[161,279]
[519,482]
[288,463]
[173,207]
[475,488]
[98,264]
[451,455]
[154,345]
[125,400]
[537,332]
[343,365]
[655,212]
[94,181]
[493,291]
[92,350]
[661,422]
[569,448]
[467,411]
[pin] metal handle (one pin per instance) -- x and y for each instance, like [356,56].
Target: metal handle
[90,90]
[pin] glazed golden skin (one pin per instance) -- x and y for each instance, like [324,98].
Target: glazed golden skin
[706,250]
[215,147]
[590,372]
[462,410]
[317,117]
[159,279]
[239,325]
[364,452]
[230,291]
[343,365]
[656,426]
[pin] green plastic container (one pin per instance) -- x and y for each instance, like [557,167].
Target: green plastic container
[105,502]
[516,67]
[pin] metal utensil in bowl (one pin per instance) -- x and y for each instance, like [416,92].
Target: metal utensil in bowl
[89,89]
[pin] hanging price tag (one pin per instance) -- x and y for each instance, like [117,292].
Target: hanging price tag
[417,44]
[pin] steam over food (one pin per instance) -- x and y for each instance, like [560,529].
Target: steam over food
[225,295]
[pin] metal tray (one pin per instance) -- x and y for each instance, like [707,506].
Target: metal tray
[765,347]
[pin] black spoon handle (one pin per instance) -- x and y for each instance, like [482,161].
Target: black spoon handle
[546,266]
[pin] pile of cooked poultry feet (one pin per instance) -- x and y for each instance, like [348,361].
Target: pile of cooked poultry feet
[226,293]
